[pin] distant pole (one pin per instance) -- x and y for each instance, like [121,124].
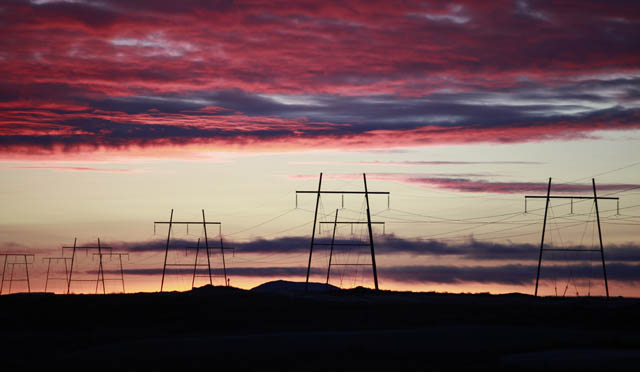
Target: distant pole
[166,252]
[11,276]
[313,234]
[66,271]
[100,271]
[333,239]
[604,269]
[206,244]
[224,264]
[26,268]
[46,282]
[373,253]
[544,227]
[195,265]
[4,269]
[73,256]
[122,271]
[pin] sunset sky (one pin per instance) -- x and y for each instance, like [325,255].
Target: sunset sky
[112,113]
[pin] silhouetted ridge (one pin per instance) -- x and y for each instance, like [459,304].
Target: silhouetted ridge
[213,289]
[283,286]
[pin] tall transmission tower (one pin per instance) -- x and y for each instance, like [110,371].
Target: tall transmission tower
[333,243]
[86,248]
[366,194]
[204,224]
[66,270]
[13,259]
[121,271]
[595,199]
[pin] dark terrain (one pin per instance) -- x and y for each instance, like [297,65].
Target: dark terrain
[281,328]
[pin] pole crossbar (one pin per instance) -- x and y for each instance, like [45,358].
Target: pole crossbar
[344,192]
[353,222]
[112,254]
[17,254]
[347,244]
[572,197]
[186,223]
[571,250]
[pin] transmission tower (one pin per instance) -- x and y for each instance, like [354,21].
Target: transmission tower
[595,199]
[204,224]
[111,255]
[335,224]
[13,259]
[366,194]
[66,270]
[86,249]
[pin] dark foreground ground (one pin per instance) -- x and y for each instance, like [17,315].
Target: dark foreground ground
[217,328]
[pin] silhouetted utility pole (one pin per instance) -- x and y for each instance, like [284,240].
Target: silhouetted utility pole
[366,194]
[335,224]
[13,259]
[111,255]
[66,270]
[595,199]
[204,224]
[86,249]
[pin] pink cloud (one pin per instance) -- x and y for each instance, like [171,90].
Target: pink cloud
[76,169]
[468,185]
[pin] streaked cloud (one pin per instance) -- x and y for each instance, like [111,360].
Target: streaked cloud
[390,244]
[290,76]
[462,182]
[512,274]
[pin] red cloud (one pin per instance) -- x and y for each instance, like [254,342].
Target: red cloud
[40,132]
[478,185]
[316,47]
[62,57]
[77,169]
[482,186]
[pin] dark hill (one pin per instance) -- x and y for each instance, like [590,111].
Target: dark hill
[358,329]
[286,287]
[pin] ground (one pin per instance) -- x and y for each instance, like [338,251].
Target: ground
[357,329]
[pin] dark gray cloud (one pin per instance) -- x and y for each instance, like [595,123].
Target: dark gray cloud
[508,274]
[512,274]
[392,245]
[522,114]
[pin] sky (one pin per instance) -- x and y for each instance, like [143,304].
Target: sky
[115,113]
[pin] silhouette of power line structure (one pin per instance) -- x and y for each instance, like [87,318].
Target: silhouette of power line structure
[121,271]
[56,260]
[87,248]
[12,259]
[196,264]
[366,194]
[595,199]
[335,224]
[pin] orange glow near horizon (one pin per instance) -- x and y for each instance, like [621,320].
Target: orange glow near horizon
[111,116]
